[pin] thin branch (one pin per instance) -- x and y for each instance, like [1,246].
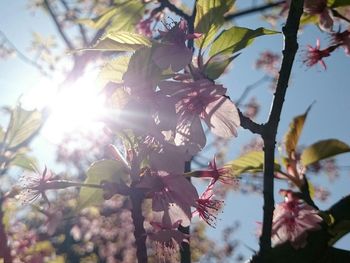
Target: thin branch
[23,57]
[136,198]
[5,250]
[249,88]
[81,28]
[174,9]
[337,14]
[270,129]
[249,124]
[58,26]
[253,10]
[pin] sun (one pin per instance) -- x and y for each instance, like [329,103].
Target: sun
[73,108]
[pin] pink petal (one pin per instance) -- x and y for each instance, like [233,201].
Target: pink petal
[176,57]
[222,118]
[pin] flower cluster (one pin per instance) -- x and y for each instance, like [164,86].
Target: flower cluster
[166,100]
[292,220]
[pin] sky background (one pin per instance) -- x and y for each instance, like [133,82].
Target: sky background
[329,117]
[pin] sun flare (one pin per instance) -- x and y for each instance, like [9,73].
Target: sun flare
[72,108]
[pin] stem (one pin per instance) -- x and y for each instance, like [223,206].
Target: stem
[337,14]
[174,9]
[270,128]
[253,10]
[136,198]
[5,251]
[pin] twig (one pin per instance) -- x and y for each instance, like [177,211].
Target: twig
[250,88]
[23,57]
[174,9]
[337,14]
[5,251]
[81,28]
[136,198]
[249,124]
[58,26]
[270,128]
[253,10]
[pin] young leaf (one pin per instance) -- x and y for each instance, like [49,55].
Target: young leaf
[23,125]
[209,18]
[215,68]
[236,38]
[100,21]
[128,15]
[291,138]
[322,150]
[105,170]
[121,41]
[252,162]
[114,70]
[25,162]
[337,3]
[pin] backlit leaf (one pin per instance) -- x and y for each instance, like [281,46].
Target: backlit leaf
[216,68]
[105,170]
[114,70]
[209,18]
[121,41]
[236,38]
[23,125]
[100,21]
[337,3]
[252,162]
[291,138]
[25,162]
[322,150]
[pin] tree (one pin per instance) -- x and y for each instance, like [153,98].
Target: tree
[160,83]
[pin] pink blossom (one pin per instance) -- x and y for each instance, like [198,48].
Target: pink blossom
[144,27]
[207,207]
[315,55]
[172,51]
[292,220]
[319,8]
[201,99]
[343,39]
[172,197]
[223,174]
[167,239]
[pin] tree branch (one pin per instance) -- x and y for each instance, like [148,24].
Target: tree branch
[5,251]
[253,10]
[249,124]
[58,26]
[270,129]
[136,198]
[23,57]
[174,9]
[81,28]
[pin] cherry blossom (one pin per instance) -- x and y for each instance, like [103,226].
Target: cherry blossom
[319,8]
[292,220]
[315,55]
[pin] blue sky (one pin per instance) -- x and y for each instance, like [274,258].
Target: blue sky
[327,119]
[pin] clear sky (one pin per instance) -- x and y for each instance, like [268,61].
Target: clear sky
[328,118]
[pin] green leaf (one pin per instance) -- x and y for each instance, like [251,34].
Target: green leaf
[104,170]
[23,125]
[214,69]
[24,161]
[236,38]
[121,41]
[322,150]
[291,138]
[337,3]
[338,231]
[114,70]
[252,162]
[209,18]
[100,21]
[309,19]
[129,13]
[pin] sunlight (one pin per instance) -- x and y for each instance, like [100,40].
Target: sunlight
[74,108]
